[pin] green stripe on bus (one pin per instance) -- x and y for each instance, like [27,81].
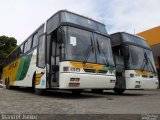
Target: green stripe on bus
[23,67]
[20,69]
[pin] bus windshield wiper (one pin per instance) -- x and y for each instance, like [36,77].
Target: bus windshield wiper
[146,62]
[87,53]
[102,52]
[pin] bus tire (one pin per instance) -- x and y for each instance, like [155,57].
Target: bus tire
[8,84]
[33,81]
[97,91]
[37,91]
[119,91]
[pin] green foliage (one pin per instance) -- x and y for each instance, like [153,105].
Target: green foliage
[7,44]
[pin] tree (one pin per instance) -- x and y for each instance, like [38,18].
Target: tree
[7,44]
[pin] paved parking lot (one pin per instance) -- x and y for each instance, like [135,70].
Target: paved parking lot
[132,102]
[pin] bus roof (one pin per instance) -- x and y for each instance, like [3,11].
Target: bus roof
[64,17]
[60,11]
[127,38]
[129,34]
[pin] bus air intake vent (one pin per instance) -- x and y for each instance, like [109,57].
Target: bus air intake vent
[90,70]
[145,76]
[150,76]
[102,71]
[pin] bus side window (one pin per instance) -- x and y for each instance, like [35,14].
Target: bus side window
[21,50]
[41,52]
[29,44]
[15,55]
[35,40]
[25,47]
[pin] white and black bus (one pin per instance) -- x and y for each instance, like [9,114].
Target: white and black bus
[135,67]
[69,51]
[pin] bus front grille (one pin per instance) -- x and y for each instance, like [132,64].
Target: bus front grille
[90,70]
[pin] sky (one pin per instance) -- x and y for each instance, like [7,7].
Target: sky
[19,18]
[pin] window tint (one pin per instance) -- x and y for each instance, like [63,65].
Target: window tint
[53,23]
[82,21]
[41,31]
[29,43]
[134,39]
[79,45]
[41,52]
[25,47]
[21,49]
[142,61]
[35,40]
[104,51]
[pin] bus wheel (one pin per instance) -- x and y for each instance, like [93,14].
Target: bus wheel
[97,91]
[77,92]
[39,91]
[8,84]
[119,91]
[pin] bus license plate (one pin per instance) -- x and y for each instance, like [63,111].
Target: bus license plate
[137,86]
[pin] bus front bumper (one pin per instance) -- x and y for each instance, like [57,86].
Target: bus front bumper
[145,83]
[86,81]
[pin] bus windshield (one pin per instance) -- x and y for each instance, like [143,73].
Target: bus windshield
[140,59]
[85,46]
[104,51]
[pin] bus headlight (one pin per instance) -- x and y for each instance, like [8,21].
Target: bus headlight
[65,69]
[111,72]
[155,76]
[131,75]
[114,72]
[137,75]
[72,69]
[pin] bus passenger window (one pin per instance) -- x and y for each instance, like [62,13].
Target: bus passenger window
[35,40]
[25,47]
[21,50]
[41,52]
[29,44]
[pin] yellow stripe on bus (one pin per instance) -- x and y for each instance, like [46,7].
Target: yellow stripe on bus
[10,71]
[38,78]
[86,65]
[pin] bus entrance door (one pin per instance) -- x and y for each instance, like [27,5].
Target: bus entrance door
[120,72]
[54,63]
